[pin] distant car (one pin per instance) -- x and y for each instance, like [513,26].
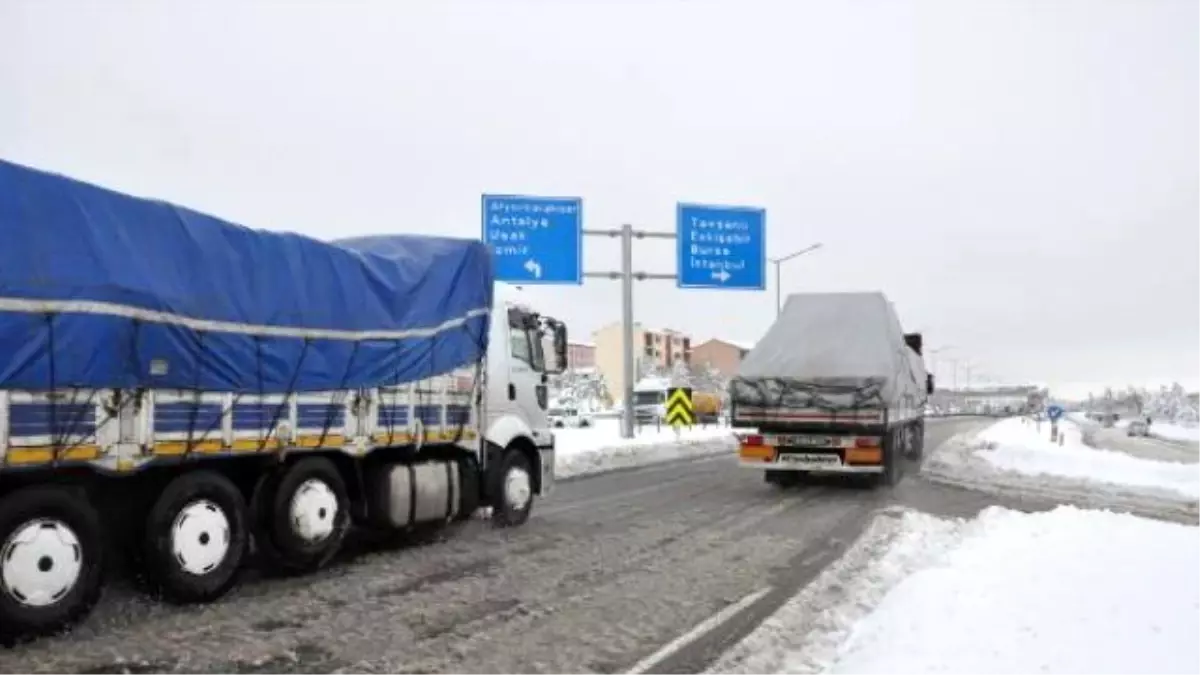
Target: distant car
[1137,428]
[568,417]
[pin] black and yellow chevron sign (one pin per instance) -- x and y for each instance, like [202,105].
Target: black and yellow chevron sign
[679,407]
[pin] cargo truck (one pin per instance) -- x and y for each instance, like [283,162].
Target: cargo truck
[835,386]
[190,390]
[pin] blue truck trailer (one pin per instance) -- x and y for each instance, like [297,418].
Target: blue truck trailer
[193,390]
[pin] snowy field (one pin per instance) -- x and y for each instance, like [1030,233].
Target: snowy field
[1171,431]
[1067,591]
[1015,456]
[1175,432]
[601,448]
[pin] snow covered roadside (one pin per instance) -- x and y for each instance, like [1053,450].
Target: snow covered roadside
[600,447]
[1064,591]
[1015,457]
[1175,432]
[1169,431]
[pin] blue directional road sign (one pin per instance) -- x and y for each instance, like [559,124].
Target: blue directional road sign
[535,240]
[1054,412]
[721,247]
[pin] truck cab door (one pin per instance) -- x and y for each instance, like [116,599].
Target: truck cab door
[528,389]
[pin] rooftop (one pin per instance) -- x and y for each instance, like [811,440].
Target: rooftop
[740,344]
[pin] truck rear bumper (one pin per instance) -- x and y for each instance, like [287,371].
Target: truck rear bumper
[818,468]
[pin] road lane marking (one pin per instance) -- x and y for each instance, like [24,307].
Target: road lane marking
[701,629]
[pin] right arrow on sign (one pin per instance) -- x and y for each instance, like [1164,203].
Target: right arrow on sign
[721,275]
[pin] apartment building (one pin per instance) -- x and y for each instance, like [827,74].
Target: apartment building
[581,355]
[724,356]
[661,347]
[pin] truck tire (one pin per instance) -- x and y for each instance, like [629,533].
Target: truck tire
[51,561]
[512,490]
[892,468]
[195,538]
[301,515]
[916,448]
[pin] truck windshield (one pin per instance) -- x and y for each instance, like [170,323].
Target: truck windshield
[647,397]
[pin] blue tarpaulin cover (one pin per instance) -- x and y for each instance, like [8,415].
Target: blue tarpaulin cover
[100,289]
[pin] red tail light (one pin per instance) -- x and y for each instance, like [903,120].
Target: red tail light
[866,442]
[752,439]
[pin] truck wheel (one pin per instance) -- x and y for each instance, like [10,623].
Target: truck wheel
[301,515]
[914,441]
[891,462]
[51,561]
[512,490]
[195,538]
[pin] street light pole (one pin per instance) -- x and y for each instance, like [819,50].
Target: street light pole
[778,262]
[933,358]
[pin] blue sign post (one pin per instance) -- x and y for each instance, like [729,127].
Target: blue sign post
[1054,412]
[535,240]
[721,247]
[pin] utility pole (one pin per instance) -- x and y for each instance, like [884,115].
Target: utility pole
[627,276]
[954,374]
[778,262]
[933,358]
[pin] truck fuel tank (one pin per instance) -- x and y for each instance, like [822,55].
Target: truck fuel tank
[422,492]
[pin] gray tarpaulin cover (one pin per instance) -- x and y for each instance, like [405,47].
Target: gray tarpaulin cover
[832,350]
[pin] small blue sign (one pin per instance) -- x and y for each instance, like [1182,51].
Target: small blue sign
[1054,412]
[721,247]
[535,240]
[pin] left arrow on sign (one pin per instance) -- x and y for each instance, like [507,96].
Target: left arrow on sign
[533,268]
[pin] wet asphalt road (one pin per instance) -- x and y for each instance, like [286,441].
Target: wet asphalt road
[608,570]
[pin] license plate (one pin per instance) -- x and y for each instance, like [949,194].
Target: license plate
[807,441]
[810,459]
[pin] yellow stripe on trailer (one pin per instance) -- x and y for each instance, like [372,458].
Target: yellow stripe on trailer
[45,454]
[317,441]
[176,448]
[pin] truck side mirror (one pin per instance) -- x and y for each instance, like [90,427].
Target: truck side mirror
[560,347]
[929,385]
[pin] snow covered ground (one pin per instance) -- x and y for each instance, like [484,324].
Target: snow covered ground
[601,448]
[1067,591]
[1171,431]
[1015,456]
[1175,432]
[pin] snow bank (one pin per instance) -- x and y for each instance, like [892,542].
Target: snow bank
[1067,591]
[1175,432]
[601,448]
[1014,458]
[1017,445]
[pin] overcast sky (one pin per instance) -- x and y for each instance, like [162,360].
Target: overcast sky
[1020,178]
